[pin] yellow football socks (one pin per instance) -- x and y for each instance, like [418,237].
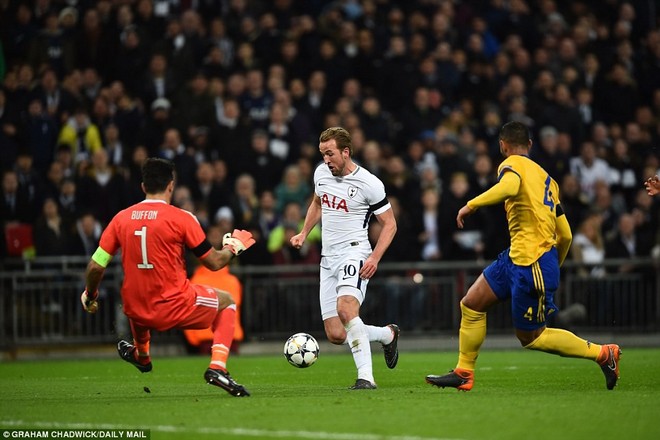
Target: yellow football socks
[564,343]
[470,337]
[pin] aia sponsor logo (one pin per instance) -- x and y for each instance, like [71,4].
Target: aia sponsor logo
[334,202]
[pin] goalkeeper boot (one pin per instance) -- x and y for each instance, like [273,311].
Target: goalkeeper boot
[128,352]
[223,379]
[363,384]
[608,359]
[391,351]
[457,378]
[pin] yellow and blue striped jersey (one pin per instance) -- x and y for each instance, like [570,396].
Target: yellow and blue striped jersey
[532,212]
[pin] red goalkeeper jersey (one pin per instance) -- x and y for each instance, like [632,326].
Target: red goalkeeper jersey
[152,236]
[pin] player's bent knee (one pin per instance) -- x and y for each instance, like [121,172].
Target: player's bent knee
[334,331]
[336,340]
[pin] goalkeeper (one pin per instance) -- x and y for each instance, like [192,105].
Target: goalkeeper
[156,292]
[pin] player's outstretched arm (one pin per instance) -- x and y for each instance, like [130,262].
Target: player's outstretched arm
[508,186]
[652,185]
[312,217]
[234,243]
[238,241]
[93,276]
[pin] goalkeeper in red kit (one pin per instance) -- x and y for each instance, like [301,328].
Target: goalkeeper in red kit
[156,292]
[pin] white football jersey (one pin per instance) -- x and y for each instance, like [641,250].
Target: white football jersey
[347,204]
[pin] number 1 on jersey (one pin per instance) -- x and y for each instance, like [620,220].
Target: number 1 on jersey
[142,233]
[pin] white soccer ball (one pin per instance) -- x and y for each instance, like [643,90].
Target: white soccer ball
[301,350]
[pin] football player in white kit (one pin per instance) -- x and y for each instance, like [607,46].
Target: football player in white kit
[345,197]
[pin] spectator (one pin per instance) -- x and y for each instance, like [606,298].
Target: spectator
[20,33]
[281,141]
[628,243]
[194,105]
[575,204]
[159,81]
[589,169]
[133,175]
[173,149]
[398,68]
[402,184]
[430,235]
[298,123]
[94,44]
[9,133]
[244,201]
[256,100]
[87,234]
[376,123]
[261,163]
[230,133]
[40,132]
[466,243]
[52,47]
[268,217]
[563,114]
[68,200]
[219,39]
[548,155]
[81,135]
[206,191]
[131,60]
[292,189]
[588,247]
[102,190]
[30,181]
[317,99]
[52,234]
[618,98]
[16,206]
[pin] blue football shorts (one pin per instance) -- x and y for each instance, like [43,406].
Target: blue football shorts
[530,288]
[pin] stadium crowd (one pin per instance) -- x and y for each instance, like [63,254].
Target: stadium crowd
[236,92]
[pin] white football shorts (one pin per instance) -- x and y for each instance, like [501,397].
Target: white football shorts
[337,271]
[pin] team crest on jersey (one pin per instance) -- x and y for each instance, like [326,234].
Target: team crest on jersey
[352,191]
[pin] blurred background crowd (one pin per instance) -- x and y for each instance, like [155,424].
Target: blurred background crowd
[236,92]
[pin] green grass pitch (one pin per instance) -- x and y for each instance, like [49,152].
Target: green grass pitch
[518,394]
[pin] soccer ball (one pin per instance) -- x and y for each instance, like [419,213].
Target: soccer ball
[301,350]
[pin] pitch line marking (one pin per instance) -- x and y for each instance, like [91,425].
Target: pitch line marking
[4,424]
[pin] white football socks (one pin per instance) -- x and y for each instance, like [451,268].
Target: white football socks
[383,335]
[358,341]
[379,334]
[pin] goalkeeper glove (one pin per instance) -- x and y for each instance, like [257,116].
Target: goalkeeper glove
[89,301]
[238,241]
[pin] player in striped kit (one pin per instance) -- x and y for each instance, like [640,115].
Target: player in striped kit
[156,292]
[345,197]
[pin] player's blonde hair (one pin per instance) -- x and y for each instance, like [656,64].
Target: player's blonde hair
[341,136]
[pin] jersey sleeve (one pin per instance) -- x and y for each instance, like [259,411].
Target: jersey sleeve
[109,241]
[509,164]
[317,176]
[376,197]
[194,234]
